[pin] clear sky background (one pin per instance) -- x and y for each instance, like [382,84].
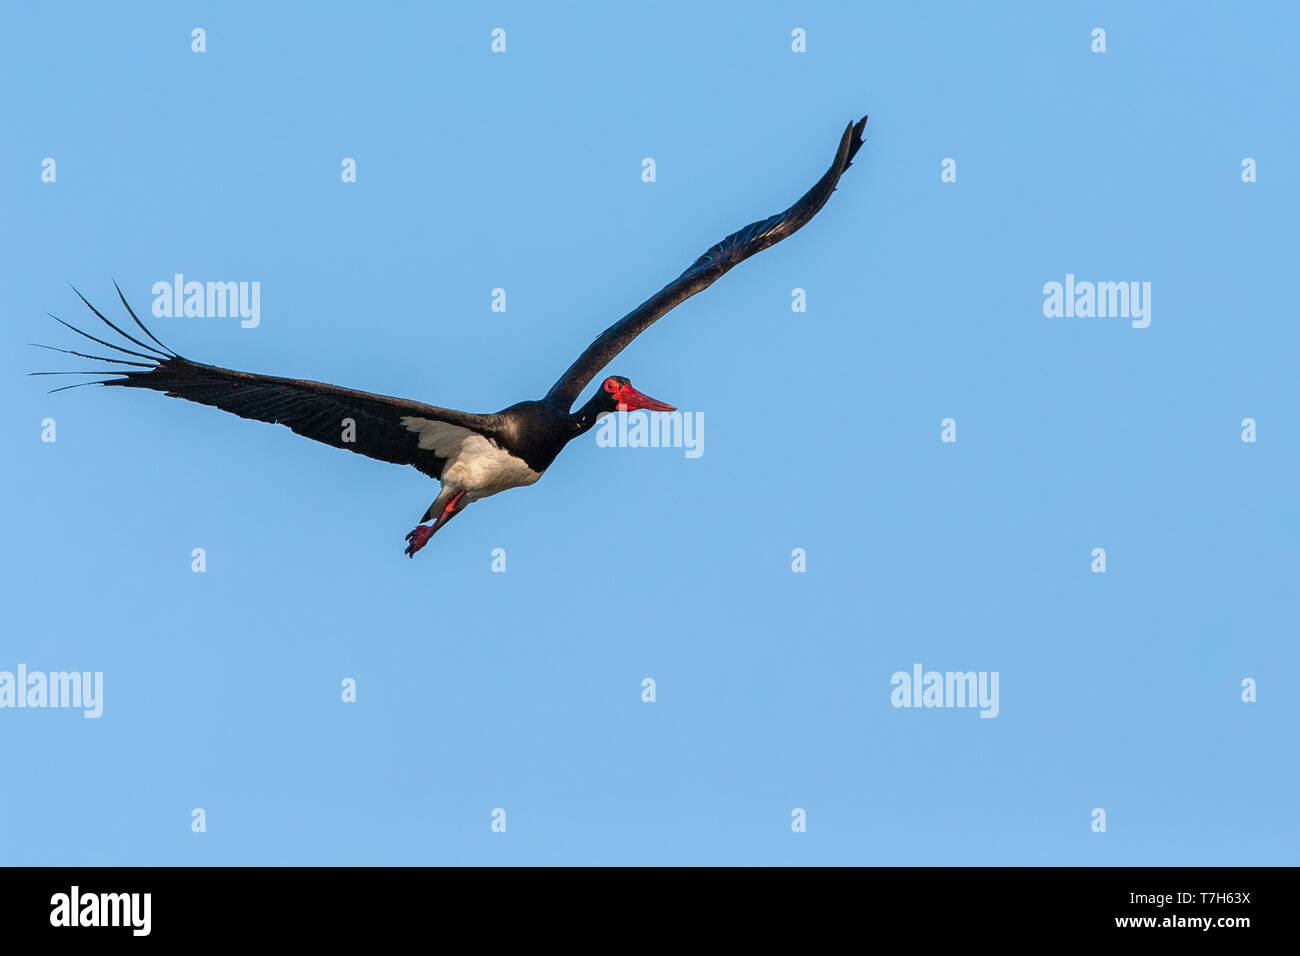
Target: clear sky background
[480,690]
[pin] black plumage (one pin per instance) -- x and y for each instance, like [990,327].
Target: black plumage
[400,431]
[704,271]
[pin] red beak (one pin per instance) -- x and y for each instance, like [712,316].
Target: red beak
[629,399]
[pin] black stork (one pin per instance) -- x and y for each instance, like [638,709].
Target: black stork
[473,456]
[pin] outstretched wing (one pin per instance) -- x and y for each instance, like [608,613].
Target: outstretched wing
[736,248]
[389,429]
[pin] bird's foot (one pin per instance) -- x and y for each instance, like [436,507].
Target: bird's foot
[421,534]
[418,538]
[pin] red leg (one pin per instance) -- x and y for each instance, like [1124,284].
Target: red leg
[420,535]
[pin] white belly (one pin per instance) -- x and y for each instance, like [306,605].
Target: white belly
[474,464]
[482,469]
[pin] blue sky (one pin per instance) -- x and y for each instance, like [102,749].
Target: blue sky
[522,690]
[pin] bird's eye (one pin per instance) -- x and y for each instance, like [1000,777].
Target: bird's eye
[611,386]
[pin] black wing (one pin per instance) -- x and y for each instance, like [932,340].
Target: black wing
[736,248]
[312,409]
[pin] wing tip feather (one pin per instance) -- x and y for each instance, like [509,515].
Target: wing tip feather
[853,139]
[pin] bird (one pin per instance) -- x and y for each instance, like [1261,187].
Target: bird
[472,456]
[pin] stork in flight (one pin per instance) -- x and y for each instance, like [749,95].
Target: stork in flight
[473,456]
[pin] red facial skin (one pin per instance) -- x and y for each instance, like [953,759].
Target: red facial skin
[630,400]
